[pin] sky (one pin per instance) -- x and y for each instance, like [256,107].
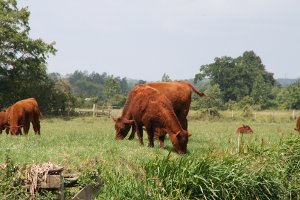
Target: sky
[143,39]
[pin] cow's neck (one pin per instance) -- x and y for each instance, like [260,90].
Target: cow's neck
[172,123]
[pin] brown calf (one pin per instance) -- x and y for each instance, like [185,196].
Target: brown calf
[244,129]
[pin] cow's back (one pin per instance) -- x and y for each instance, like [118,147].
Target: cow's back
[149,104]
[30,107]
[15,114]
[179,93]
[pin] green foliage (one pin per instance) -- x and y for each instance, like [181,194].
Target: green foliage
[23,64]
[247,111]
[120,186]
[106,89]
[87,146]
[239,77]
[89,175]
[11,180]
[289,98]
[166,78]
[205,103]
[265,174]
[22,59]
[289,157]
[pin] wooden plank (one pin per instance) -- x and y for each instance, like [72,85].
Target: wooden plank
[87,193]
[52,181]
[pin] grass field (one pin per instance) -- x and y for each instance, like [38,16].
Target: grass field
[77,143]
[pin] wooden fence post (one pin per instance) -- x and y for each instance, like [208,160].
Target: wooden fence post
[293,114]
[94,110]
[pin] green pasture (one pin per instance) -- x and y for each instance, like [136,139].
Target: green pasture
[80,143]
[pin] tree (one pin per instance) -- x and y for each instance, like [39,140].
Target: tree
[204,103]
[289,98]
[111,88]
[22,59]
[124,86]
[237,77]
[62,99]
[165,78]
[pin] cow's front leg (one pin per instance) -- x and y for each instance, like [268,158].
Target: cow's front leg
[133,130]
[139,129]
[161,140]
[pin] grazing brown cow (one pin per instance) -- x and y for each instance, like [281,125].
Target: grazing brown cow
[298,125]
[244,129]
[21,114]
[150,108]
[178,92]
[4,120]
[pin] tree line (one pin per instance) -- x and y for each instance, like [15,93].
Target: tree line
[234,82]
[244,81]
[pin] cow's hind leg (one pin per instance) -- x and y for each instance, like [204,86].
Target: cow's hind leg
[26,127]
[150,134]
[162,140]
[36,126]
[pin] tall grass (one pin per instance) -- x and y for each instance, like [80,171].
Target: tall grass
[267,168]
[269,174]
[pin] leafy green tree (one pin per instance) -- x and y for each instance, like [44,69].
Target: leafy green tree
[205,103]
[166,78]
[22,59]
[237,77]
[87,85]
[289,98]
[124,86]
[111,88]
[63,98]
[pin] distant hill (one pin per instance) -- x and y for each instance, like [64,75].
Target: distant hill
[285,82]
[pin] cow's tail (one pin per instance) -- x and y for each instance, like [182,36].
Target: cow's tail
[201,94]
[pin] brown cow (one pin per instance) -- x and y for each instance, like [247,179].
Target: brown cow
[150,108]
[21,114]
[178,92]
[244,129]
[297,125]
[3,121]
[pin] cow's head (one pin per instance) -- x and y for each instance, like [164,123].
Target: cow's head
[180,140]
[15,130]
[122,127]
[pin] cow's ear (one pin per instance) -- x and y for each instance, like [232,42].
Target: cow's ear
[189,135]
